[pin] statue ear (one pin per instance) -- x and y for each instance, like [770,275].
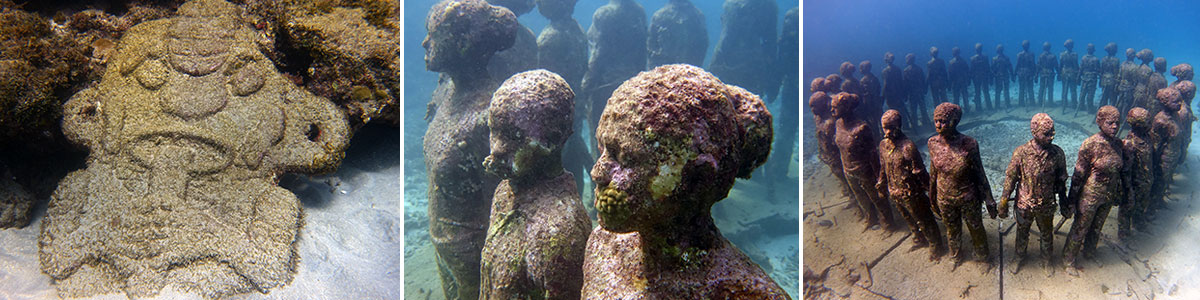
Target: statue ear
[83,117]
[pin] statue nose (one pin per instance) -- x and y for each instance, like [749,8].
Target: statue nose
[193,100]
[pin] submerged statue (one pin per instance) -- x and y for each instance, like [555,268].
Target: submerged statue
[1099,183]
[1026,70]
[826,127]
[745,52]
[617,51]
[563,49]
[895,91]
[960,77]
[1142,95]
[673,139]
[523,55]
[958,183]
[1037,173]
[1089,73]
[538,229]
[860,161]
[1139,154]
[677,35]
[188,131]
[938,79]
[789,96]
[1169,144]
[1002,73]
[902,176]
[981,78]
[463,36]
[1069,74]
[1126,81]
[1110,67]
[1047,69]
[914,78]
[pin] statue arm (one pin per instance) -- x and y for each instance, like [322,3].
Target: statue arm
[1012,178]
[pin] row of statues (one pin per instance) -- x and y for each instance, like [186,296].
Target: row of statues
[1134,173]
[506,219]
[1122,85]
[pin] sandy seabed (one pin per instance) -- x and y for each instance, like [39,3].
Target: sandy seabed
[349,246]
[843,260]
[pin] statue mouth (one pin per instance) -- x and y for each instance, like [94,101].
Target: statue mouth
[192,153]
[612,207]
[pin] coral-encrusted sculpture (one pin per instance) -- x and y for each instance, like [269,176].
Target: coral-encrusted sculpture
[538,230]
[673,139]
[188,131]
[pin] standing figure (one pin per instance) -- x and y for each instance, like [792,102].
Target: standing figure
[902,176]
[744,55]
[895,91]
[1139,154]
[1026,74]
[789,96]
[1142,95]
[938,79]
[538,228]
[1048,68]
[1126,81]
[677,35]
[617,44]
[914,78]
[981,77]
[860,160]
[958,182]
[655,192]
[1156,81]
[849,81]
[1110,68]
[1183,82]
[960,77]
[1167,134]
[1069,74]
[1038,173]
[872,101]
[826,129]
[1182,72]
[463,36]
[1099,182]
[563,49]
[1089,73]
[523,55]
[1002,72]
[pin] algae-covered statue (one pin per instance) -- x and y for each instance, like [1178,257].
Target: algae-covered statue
[677,35]
[463,36]
[1026,71]
[959,73]
[858,147]
[902,176]
[938,79]
[745,52]
[1068,73]
[523,55]
[1109,68]
[825,129]
[538,229]
[914,78]
[1089,74]
[1002,74]
[617,52]
[1139,154]
[958,183]
[1099,183]
[188,131]
[673,139]
[1047,65]
[1037,173]
[981,78]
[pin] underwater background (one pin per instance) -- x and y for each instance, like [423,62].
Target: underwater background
[1161,263]
[760,216]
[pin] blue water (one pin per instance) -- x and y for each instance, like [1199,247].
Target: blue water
[780,246]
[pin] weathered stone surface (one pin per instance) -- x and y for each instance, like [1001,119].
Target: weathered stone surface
[188,130]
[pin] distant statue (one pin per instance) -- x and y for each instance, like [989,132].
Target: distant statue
[677,35]
[860,161]
[903,178]
[745,51]
[938,79]
[1047,70]
[1167,132]
[523,55]
[981,77]
[1069,74]
[872,100]
[914,78]
[1026,74]
[1110,68]
[895,92]
[1126,80]
[958,182]
[563,49]
[1089,74]
[1002,72]
[1142,95]
[1037,173]
[1139,154]
[789,96]
[1099,183]
[617,40]
[849,81]
[826,128]
[960,77]
[1156,81]
[1183,82]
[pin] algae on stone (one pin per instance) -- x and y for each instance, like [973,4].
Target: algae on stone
[188,131]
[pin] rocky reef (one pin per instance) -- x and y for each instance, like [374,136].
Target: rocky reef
[187,131]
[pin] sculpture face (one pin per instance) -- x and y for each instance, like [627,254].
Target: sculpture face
[529,119]
[1042,129]
[1106,119]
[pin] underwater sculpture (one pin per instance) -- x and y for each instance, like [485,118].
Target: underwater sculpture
[677,35]
[938,80]
[563,49]
[1167,131]
[673,139]
[1139,154]
[463,36]
[617,52]
[538,227]
[1110,67]
[1156,81]
[981,77]
[914,79]
[1038,173]
[850,83]
[1026,74]
[745,52]
[958,183]
[860,161]
[1068,73]
[1126,82]
[1002,73]
[188,131]
[1142,95]
[523,55]
[1183,82]
[902,176]
[1047,69]
[826,128]
[960,77]
[1089,73]
[789,96]
[895,91]
[833,82]
[1099,182]
[871,95]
